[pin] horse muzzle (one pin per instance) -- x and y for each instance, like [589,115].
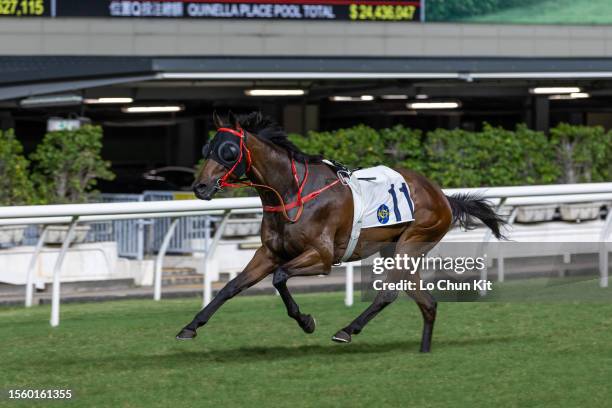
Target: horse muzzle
[205,191]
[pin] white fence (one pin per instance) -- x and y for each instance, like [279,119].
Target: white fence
[72,214]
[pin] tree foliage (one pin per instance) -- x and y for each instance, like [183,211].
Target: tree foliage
[15,184]
[68,164]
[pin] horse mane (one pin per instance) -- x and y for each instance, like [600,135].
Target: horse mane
[268,130]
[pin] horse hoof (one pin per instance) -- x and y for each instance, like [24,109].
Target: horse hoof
[341,337]
[310,324]
[186,334]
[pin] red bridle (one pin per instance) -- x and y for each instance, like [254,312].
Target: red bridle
[299,202]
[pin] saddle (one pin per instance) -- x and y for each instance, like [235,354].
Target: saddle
[343,172]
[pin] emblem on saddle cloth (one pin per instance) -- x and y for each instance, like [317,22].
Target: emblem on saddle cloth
[381,197]
[383,214]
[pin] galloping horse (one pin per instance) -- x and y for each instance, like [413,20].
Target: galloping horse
[316,237]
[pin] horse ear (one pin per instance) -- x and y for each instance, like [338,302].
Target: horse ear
[217,121]
[233,120]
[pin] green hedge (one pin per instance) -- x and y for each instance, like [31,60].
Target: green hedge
[362,146]
[584,153]
[493,157]
[450,10]
[458,158]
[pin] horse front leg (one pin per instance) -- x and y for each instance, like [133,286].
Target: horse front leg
[308,263]
[259,267]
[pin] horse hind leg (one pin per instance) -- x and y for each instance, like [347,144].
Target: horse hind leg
[424,300]
[429,307]
[381,301]
[413,246]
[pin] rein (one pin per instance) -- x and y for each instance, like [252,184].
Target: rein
[283,207]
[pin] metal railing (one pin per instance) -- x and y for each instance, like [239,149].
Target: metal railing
[137,237]
[189,232]
[129,234]
[72,214]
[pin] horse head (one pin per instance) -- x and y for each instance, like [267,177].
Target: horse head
[226,156]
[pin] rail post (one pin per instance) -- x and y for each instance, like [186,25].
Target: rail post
[55,296]
[604,250]
[30,273]
[500,257]
[210,252]
[348,297]
[160,259]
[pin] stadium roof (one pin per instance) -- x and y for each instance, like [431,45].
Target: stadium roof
[26,76]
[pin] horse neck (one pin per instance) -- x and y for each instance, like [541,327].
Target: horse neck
[271,166]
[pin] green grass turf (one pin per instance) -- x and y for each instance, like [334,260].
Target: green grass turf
[553,11]
[123,354]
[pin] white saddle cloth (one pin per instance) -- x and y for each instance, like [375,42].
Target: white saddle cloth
[381,197]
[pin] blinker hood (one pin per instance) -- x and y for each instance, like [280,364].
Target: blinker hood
[224,148]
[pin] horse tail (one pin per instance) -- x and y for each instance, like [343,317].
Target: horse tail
[466,206]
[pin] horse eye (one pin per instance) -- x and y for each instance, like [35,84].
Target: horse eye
[206,150]
[228,152]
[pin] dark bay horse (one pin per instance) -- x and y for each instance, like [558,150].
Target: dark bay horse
[315,237]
